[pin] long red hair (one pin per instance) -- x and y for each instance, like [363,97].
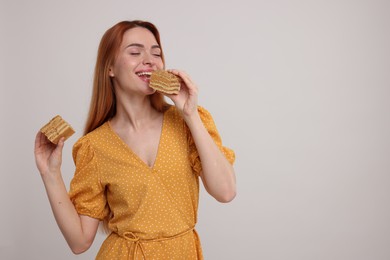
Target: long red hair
[103,101]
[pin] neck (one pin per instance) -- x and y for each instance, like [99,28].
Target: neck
[134,113]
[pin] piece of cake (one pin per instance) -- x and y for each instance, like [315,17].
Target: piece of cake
[57,128]
[165,82]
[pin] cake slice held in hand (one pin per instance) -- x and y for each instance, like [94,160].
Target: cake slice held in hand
[56,129]
[165,82]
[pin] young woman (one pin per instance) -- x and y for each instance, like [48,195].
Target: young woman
[139,163]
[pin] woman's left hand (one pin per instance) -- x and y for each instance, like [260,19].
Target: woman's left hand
[187,99]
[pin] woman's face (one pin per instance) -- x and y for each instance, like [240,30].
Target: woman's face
[138,56]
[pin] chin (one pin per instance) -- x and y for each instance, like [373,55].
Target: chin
[150,91]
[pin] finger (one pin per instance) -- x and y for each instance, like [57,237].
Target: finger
[60,146]
[40,139]
[61,143]
[37,144]
[183,75]
[186,80]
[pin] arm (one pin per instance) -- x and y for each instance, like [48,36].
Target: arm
[217,173]
[79,231]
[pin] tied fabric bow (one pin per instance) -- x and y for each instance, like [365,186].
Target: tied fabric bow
[138,242]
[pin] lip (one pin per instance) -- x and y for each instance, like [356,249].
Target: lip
[144,79]
[146,70]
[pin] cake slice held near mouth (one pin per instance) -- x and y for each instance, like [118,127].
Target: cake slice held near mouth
[165,82]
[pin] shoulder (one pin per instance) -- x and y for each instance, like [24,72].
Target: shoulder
[172,111]
[173,115]
[89,141]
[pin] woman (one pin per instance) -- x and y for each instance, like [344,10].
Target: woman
[139,162]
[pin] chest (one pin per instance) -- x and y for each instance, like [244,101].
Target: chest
[137,157]
[128,178]
[144,144]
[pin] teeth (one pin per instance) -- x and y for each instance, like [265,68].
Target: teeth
[144,73]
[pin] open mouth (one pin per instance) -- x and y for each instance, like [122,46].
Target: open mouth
[144,74]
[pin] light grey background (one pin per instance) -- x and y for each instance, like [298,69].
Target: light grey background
[299,89]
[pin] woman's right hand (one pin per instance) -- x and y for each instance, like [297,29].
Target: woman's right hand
[48,156]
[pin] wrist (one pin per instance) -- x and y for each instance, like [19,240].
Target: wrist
[193,119]
[52,177]
[197,128]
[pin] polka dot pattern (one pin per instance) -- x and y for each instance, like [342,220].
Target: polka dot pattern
[155,204]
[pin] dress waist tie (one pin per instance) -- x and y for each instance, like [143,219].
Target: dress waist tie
[138,242]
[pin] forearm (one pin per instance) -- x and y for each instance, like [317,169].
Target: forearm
[66,216]
[217,173]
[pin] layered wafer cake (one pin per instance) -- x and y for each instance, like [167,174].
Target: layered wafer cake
[57,128]
[165,82]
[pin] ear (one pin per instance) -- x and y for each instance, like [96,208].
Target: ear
[111,72]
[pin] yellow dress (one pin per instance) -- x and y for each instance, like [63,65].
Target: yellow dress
[154,209]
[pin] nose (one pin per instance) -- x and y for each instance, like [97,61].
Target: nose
[148,59]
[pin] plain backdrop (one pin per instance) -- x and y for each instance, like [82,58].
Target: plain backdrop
[299,89]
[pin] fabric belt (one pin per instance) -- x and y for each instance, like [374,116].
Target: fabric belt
[138,242]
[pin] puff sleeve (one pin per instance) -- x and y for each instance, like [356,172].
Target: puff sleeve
[86,191]
[208,122]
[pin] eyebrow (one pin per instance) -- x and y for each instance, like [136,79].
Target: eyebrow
[142,46]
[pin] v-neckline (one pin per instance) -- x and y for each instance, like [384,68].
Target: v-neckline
[134,154]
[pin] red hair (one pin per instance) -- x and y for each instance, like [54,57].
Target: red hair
[103,101]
